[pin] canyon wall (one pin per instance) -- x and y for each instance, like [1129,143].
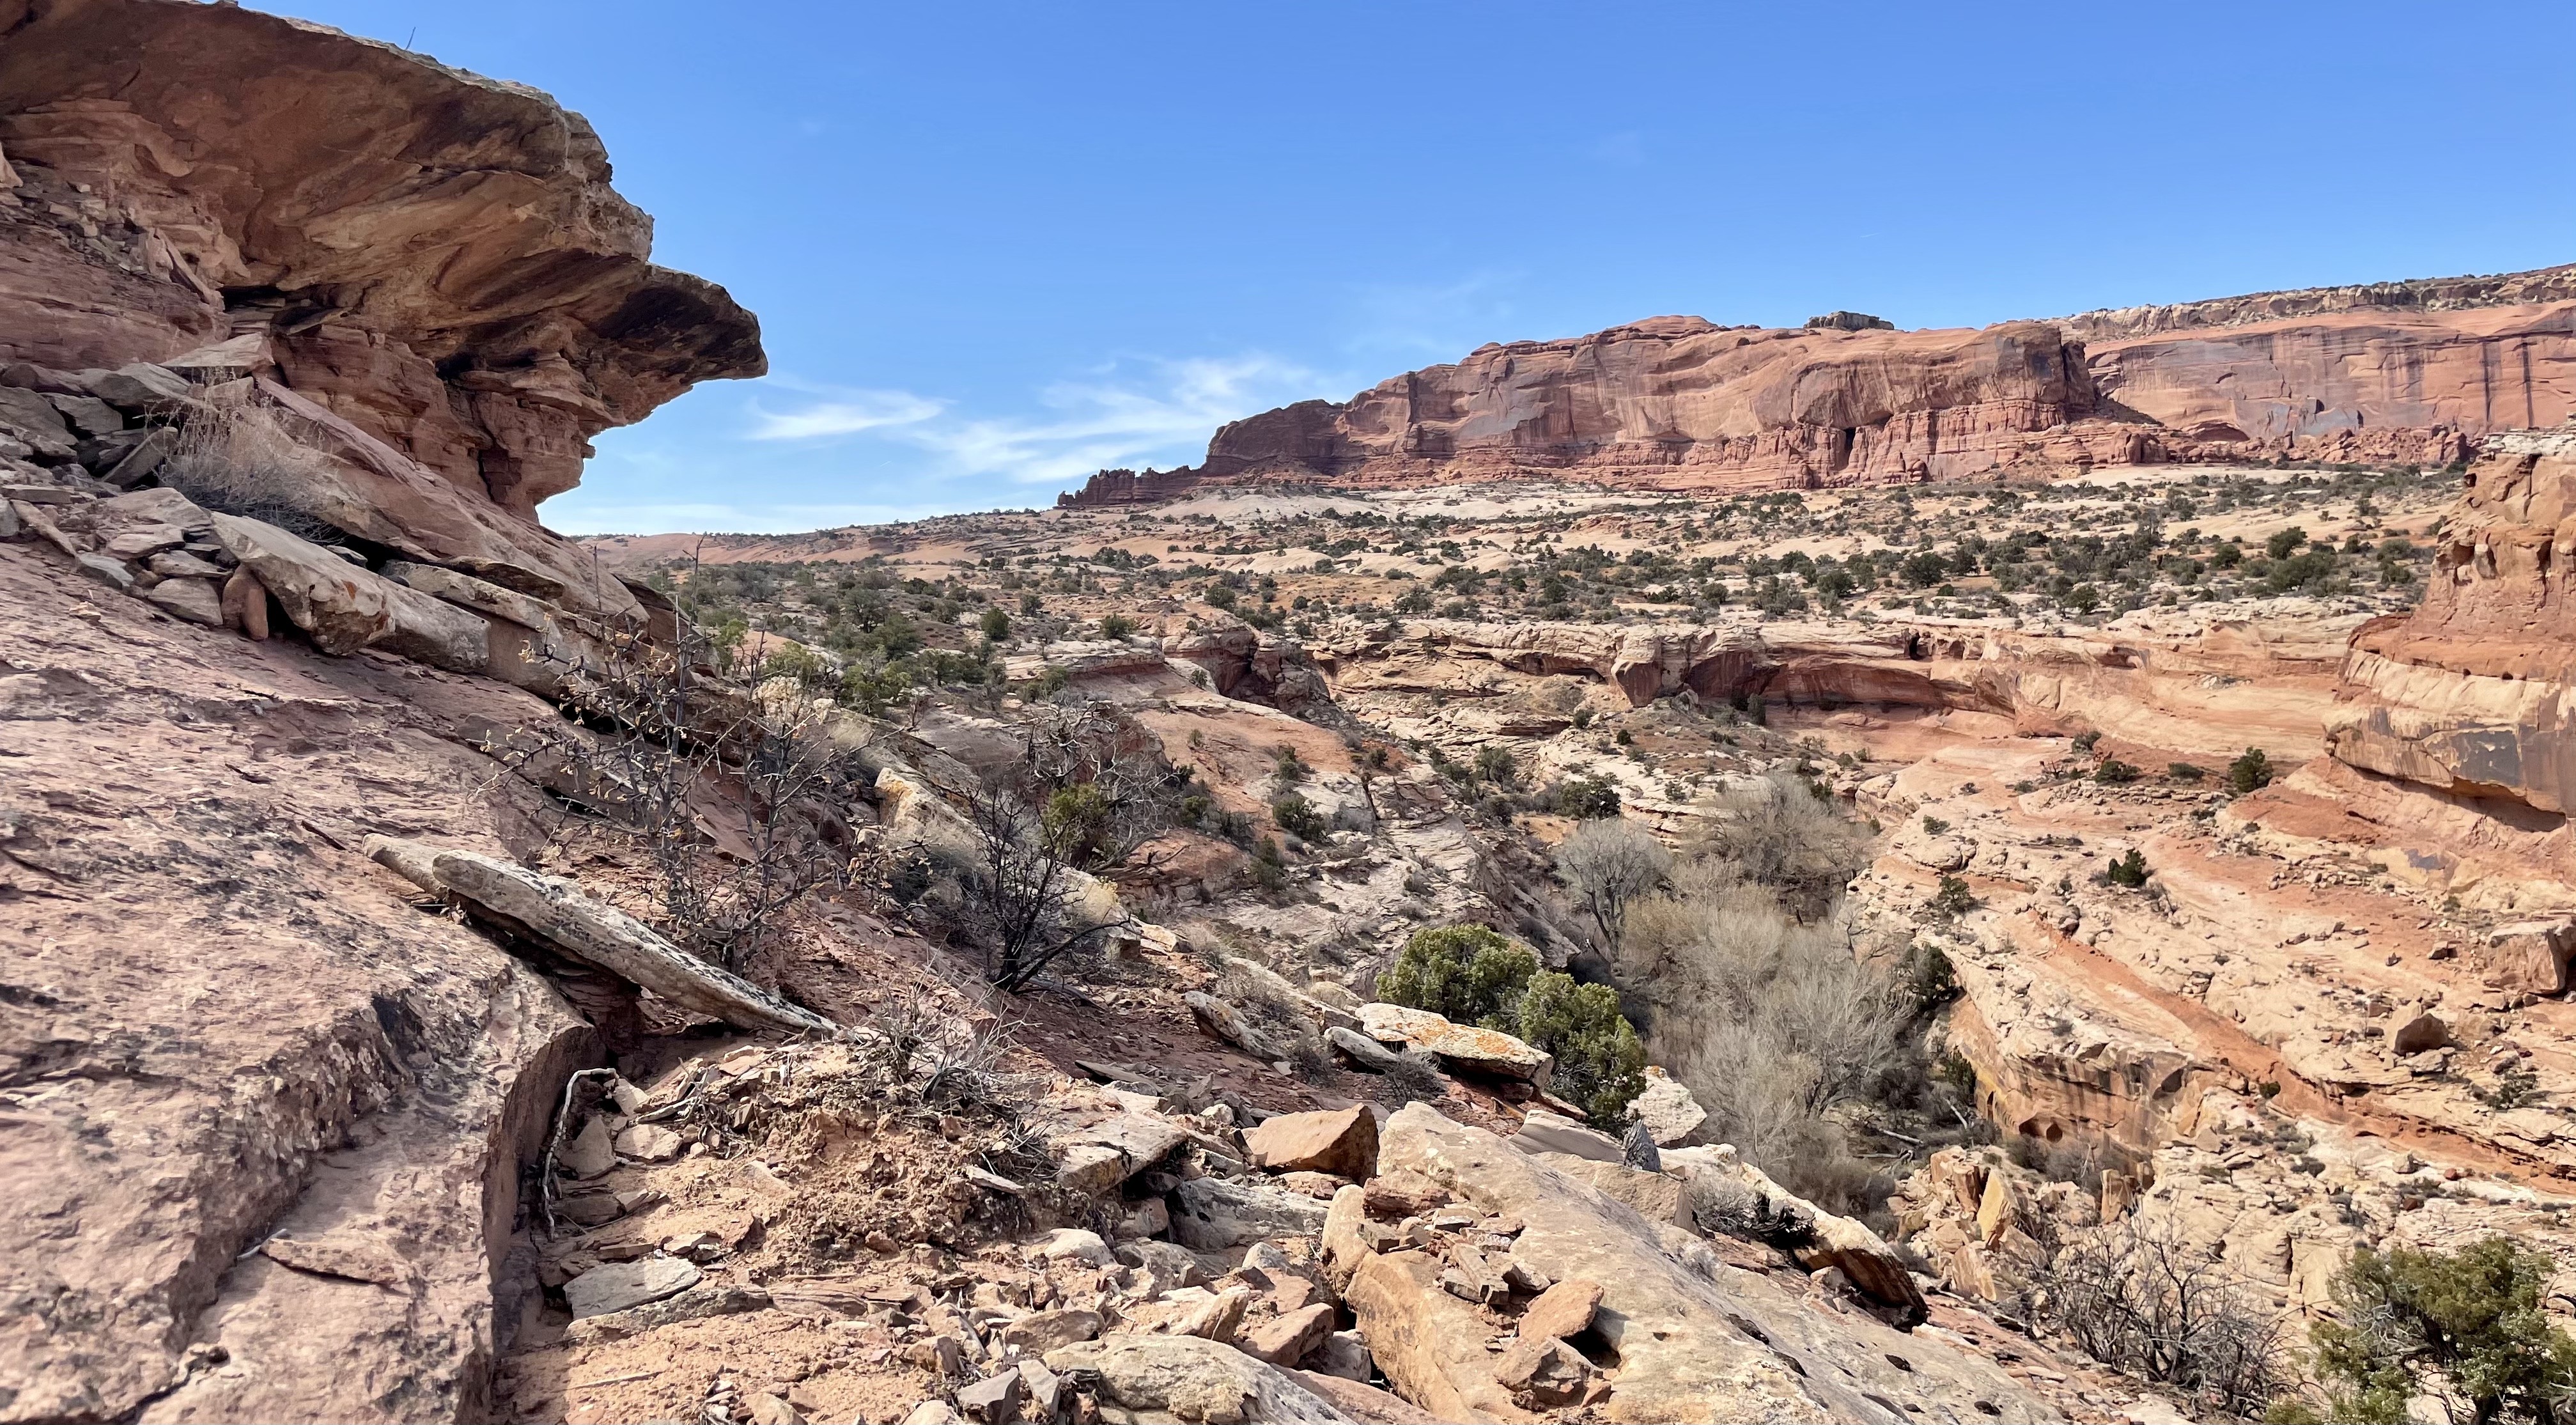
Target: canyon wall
[434,257]
[2401,371]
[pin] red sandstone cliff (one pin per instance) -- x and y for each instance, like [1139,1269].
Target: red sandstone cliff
[434,256]
[2390,371]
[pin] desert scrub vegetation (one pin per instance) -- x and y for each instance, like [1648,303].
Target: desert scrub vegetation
[1752,993]
[2464,1330]
[739,800]
[2154,1306]
[1468,974]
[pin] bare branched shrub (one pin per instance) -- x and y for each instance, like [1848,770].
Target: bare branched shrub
[736,798]
[255,462]
[1779,834]
[1083,794]
[1609,865]
[1771,1021]
[1271,1003]
[2148,1303]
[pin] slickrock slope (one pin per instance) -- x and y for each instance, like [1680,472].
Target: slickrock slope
[434,257]
[223,1029]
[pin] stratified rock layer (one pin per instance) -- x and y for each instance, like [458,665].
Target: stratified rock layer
[2392,371]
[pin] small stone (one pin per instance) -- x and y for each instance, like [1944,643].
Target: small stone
[994,1399]
[1044,1331]
[940,1355]
[1639,1149]
[767,1409]
[196,600]
[931,1412]
[591,1151]
[110,572]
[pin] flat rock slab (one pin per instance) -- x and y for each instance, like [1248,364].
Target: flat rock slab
[1186,1378]
[1463,1045]
[1212,1214]
[1545,1132]
[620,1286]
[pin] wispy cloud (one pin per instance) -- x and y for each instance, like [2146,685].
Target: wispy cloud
[848,414]
[1441,321]
[1134,411]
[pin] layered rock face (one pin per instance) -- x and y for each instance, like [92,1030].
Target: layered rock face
[2399,371]
[435,258]
[2463,695]
[1677,403]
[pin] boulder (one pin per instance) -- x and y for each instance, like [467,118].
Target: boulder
[1342,1142]
[1670,1115]
[1287,1340]
[2529,956]
[1429,1344]
[1098,1143]
[1351,1394]
[1683,1323]
[2413,1031]
[591,1151]
[650,1143]
[198,601]
[140,389]
[1657,1197]
[621,1285]
[1347,1236]
[995,1399]
[1224,1022]
[106,570]
[88,415]
[1544,1370]
[343,607]
[1561,1312]
[1464,1046]
[1185,1378]
[1212,1214]
[1364,1053]
[1074,1244]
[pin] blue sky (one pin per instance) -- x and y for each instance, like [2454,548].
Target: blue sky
[995,247]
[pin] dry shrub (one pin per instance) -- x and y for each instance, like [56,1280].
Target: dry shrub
[1779,834]
[1272,1004]
[257,463]
[1771,1021]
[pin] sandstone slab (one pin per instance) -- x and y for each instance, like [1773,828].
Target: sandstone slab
[1342,1142]
[1185,1378]
[1463,1046]
[1671,1309]
[620,1286]
[1211,1214]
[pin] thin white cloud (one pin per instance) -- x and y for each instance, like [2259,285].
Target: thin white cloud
[1133,412]
[851,413]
